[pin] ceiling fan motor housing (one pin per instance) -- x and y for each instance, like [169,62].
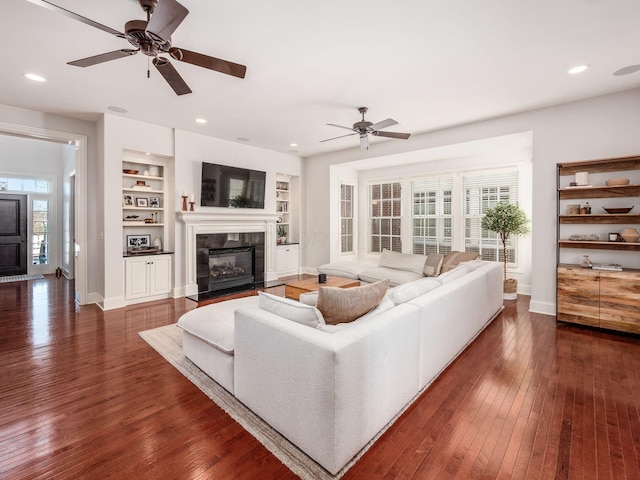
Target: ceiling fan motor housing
[135,32]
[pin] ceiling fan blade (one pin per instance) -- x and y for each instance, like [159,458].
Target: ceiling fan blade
[341,136]
[403,136]
[75,16]
[364,141]
[383,124]
[167,16]
[104,57]
[171,75]
[339,126]
[205,61]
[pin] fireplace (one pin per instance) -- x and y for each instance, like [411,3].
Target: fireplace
[232,268]
[228,262]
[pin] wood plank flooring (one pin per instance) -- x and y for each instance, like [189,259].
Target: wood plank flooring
[82,396]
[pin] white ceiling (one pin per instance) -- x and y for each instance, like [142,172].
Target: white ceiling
[427,64]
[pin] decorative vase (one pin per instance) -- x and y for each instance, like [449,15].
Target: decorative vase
[630,235]
[585,262]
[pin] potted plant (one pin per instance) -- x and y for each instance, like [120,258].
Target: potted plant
[281,234]
[506,219]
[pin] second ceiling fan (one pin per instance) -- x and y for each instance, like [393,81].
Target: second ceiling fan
[153,38]
[364,128]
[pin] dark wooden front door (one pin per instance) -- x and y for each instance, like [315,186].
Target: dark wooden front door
[13,234]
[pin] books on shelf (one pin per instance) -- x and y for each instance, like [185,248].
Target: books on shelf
[615,267]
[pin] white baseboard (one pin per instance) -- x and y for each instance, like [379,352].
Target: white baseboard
[545,308]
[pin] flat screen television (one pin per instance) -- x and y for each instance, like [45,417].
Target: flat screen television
[226,186]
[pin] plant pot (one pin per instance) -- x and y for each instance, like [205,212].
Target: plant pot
[510,289]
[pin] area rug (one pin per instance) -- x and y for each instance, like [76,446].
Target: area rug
[167,341]
[18,278]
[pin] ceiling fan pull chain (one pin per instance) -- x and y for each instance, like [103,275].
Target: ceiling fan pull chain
[148,67]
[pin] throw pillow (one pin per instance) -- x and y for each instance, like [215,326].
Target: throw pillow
[402,261]
[383,306]
[290,309]
[343,305]
[433,265]
[452,260]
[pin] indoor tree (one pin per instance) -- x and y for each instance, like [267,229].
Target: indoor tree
[506,219]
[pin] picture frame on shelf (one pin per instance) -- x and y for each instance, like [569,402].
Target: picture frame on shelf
[154,202]
[142,202]
[127,200]
[138,242]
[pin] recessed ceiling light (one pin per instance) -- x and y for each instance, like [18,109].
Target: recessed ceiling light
[578,69]
[627,70]
[34,77]
[242,139]
[293,144]
[117,109]
[201,120]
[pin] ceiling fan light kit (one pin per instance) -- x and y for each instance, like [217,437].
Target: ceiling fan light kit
[364,128]
[153,38]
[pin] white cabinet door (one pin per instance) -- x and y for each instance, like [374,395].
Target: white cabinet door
[160,274]
[287,258]
[136,278]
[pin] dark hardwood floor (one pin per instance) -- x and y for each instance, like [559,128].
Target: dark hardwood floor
[82,396]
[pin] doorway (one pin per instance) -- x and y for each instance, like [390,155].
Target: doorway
[79,215]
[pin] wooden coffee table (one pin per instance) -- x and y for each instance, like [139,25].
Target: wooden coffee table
[294,289]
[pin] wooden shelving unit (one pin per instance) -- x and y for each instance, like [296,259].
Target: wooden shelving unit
[599,298]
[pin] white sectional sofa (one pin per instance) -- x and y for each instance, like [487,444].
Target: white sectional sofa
[330,389]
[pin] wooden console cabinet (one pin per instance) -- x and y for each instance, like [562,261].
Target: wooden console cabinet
[599,298]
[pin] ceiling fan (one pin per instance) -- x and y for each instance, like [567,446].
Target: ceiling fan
[153,38]
[364,129]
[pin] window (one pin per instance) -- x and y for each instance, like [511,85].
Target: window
[26,185]
[346,217]
[385,202]
[481,192]
[431,215]
[40,231]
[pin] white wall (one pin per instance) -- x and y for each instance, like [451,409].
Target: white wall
[192,149]
[599,127]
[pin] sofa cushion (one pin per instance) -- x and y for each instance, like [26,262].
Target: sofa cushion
[342,305]
[214,323]
[396,277]
[402,261]
[452,259]
[290,309]
[451,275]
[411,290]
[474,264]
[345,269]
[433,265]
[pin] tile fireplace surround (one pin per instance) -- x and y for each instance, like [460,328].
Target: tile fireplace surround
[199,223]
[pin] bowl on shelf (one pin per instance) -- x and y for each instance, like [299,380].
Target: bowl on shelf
[129,171]
[615,182]
[617,210]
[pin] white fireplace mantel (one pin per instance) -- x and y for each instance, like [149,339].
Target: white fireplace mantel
[223,221]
